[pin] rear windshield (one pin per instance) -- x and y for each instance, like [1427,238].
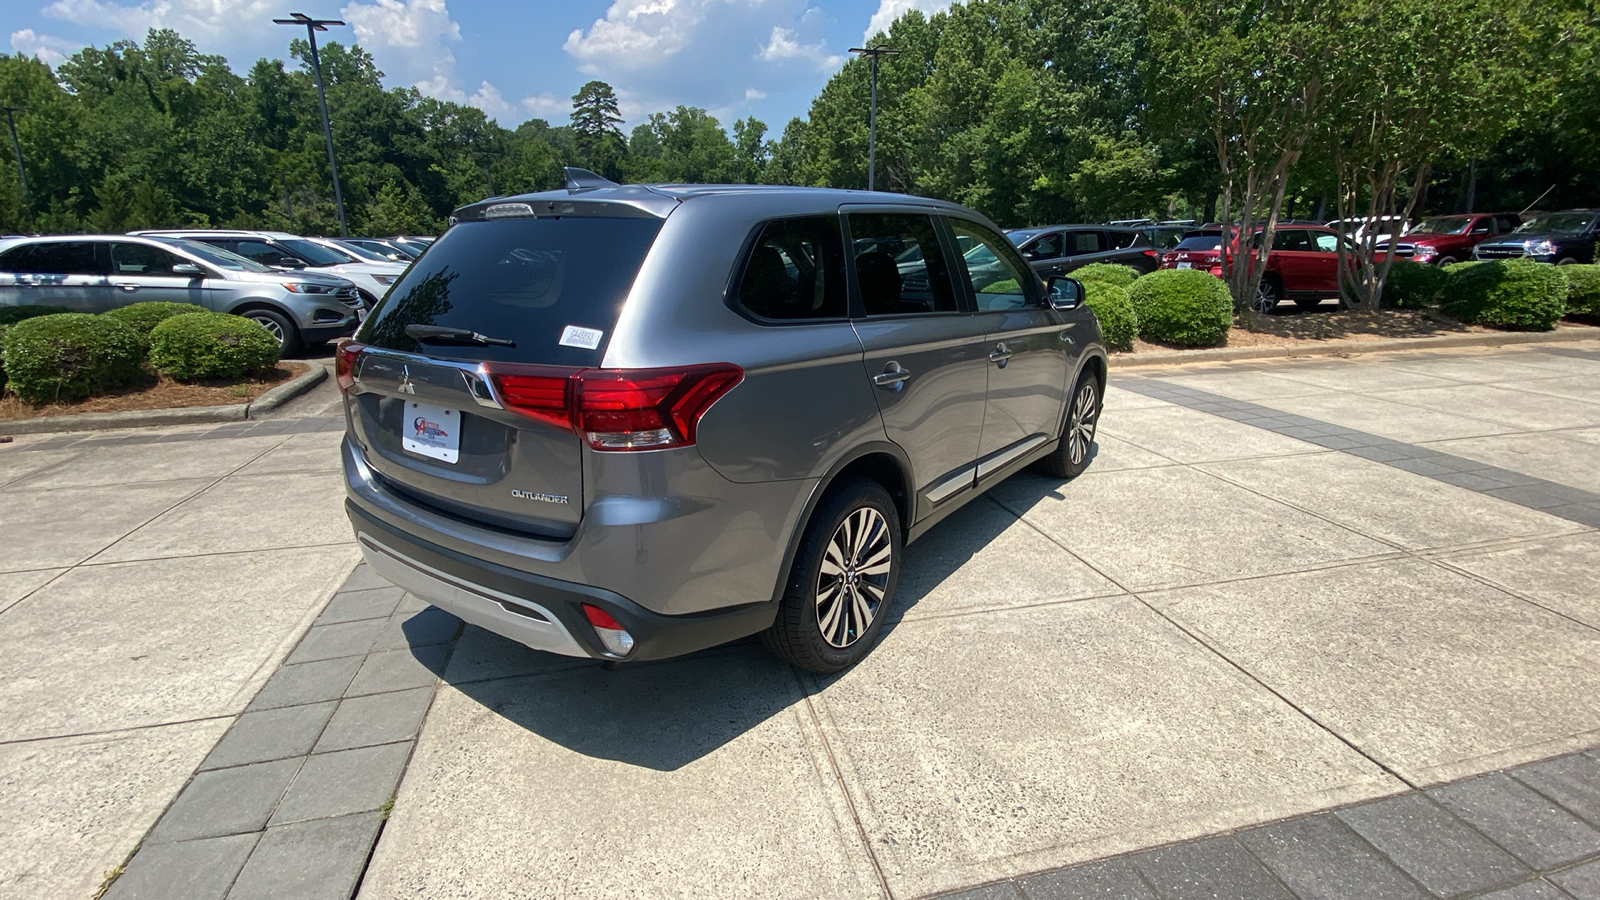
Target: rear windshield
[1209,241]
[553,286]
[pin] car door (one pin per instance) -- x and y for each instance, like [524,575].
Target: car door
[65,273]
[924,354]
[1293,260]
[1031,349]
[1046,254]
[141,273]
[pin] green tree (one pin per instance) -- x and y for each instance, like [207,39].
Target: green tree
[595,121]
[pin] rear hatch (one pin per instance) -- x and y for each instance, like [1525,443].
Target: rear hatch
[491,320]
[1198,250]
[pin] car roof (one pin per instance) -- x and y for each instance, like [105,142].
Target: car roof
[660,199]
[216,232]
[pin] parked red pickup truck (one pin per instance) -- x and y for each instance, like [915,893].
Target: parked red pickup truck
[1442,240]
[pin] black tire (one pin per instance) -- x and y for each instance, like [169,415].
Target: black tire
[1308,303]
[1568,261]
[1443,261]
[1071,457]
[284,330]
[1268,293]
[800,634]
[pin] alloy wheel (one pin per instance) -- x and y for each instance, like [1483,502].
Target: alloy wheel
[1266,296]
[854,579]
[271,325]
[1080,425]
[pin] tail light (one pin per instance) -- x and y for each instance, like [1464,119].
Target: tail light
[1152,254]
[612,635]
[344,363]
[618,409]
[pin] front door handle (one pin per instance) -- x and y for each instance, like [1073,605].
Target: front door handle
[892,377]
[1000,355]
[128,286]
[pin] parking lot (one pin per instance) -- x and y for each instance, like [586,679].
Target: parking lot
[1281,587]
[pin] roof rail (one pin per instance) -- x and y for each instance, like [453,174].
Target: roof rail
[585,180]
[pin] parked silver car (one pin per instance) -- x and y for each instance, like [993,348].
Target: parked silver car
[631,422]
[293,253]
[94,273]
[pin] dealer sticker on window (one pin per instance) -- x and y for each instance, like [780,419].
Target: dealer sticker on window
[432,431]
[587,338]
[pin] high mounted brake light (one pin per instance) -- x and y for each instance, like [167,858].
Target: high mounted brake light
[618,409]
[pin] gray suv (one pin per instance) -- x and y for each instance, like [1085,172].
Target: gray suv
[94,273]
[631,422]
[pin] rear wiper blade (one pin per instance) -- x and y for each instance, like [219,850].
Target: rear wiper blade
[440,334]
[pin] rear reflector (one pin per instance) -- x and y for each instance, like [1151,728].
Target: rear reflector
[612,635]
[618,409]
[344,363]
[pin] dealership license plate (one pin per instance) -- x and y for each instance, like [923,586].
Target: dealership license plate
[1185,265]
[432,431]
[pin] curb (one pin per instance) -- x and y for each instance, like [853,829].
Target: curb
[1336,348]
[190,415]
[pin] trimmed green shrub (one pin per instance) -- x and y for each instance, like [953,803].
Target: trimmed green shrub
[142,317]
[1515,294]
[1004,286]
[11,315]
[1183,307]
[1414,285]
[1583,290]
[1106,273]
[70,356]
[1119,325]
[3,330]
[207,345]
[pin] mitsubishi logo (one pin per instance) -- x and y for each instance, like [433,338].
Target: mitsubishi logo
[405,381]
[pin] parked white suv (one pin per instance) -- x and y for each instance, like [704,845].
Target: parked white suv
[292,252]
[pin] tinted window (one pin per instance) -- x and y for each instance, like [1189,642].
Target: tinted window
[900,267]
[1205,241]
[999,280]
[313,254]
[11,259]
[1293,240]
[141,259]
[1506,223]
[61,258]
[1080,242]
[216,256]
[1558,223]
[1047,247]
[1122,240]
[522,280]
[796,271]
[262,252]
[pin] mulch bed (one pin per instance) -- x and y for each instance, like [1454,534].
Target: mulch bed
[1308,329]
[159,392]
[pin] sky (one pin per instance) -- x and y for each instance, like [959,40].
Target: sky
[519,60]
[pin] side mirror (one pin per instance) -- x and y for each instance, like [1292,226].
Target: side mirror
[1065,293]
[289,262]
[189,269]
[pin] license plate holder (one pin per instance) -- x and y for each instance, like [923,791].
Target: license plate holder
[431,431]
[1185,265]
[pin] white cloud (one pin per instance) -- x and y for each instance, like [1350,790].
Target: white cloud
[637,33]
[546,105]
[785,45]
[753,94]
[213,23]
[49,49]
[889,10]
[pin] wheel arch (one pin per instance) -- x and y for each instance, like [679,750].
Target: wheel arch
[879,461]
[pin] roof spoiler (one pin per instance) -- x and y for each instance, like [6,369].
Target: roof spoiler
[585,180]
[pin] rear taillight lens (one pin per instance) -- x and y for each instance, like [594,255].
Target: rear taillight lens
[1152,254]
[619,409]
[344,363]
[612,635]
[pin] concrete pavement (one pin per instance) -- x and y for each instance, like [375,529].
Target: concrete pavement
[1281,588]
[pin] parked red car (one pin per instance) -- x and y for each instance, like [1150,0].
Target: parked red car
[1303,265]
[1442,240]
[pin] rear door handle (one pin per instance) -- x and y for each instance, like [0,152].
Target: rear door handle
[892,377]
[1000,355]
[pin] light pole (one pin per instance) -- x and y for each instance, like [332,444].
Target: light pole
[872,117]
[313,26]
[22,174]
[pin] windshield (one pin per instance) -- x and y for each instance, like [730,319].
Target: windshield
[1556,223]
[1443,225]
[358,253]
[313,254]
[1020,236]
[216,256]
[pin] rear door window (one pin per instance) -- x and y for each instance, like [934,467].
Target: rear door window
[1046,247]
[62,258]
[1122,240]
[141,259]
[1081,242]
[552,286]
[262,252]
[900,265]
[796,270]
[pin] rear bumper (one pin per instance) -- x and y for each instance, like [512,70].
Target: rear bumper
[316,334]
[540,612]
